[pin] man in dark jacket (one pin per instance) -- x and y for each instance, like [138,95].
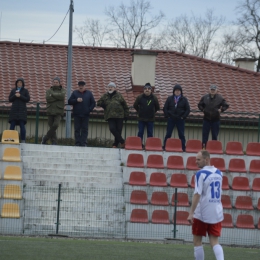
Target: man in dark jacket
[19,96]
[176,109]
[55,96]
[146,106]
[115,111]
[211,105]
[83,103]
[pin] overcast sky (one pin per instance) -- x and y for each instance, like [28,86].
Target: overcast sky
[38,20]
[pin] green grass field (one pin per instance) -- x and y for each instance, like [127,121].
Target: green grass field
[25,248]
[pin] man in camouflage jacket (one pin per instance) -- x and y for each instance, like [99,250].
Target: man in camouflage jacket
[55,96]
[115,111]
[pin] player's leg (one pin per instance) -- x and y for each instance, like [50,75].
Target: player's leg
[198,230]
[214,232]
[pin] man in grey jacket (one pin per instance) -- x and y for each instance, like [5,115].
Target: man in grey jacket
[211,105]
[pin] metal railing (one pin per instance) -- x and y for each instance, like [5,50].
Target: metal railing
[240,126]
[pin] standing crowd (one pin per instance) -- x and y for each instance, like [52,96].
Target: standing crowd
[176,109]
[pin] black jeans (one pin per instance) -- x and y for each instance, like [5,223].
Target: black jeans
[81,130]
[116,127]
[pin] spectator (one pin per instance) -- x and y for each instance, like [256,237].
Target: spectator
[206,213]
[83,103]
[115,111]
[55,96]
[146,106]
[19,96]
[176,109]
[211,105]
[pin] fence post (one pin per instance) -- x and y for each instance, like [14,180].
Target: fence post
[175,210]
[58,211]
[37,123]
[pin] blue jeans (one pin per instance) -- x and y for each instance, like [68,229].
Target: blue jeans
[180,124]
[141,127]
[21,123]
[207,126]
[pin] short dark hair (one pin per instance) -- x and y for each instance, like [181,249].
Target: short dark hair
[205,154]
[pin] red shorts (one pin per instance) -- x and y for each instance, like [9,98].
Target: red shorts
[200,228]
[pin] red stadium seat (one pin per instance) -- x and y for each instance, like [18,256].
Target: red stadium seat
[192,182]
[155,161]
[256,184]
[158,179]
[253,149]
[240,183]
[244,202]
[245,221]
[182,200]
[234,148]
[227,222]
[173,145]
[137,178]
[225,185]
[226,201]
[214,147]
[160,217]
[258,204]
[135,160]
[218,163]
[133,143]
[191,164]
[160,198]
[254,166]
[193,146]
[175,162]
[138,197]
[181,218]
[153,144]
[179,180]
[139,216]
[237,165]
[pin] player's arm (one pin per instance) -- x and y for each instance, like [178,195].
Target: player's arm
[195,201]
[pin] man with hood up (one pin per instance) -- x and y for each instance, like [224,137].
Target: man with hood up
[19,96]
[55,96]
[176,109]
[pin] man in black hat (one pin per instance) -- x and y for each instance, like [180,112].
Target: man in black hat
[176,109]
[146,106]
[83,103]
[211,105]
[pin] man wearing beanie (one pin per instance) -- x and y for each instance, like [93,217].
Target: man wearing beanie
[146,106]
[176,109]
[83,103]
[55,96]
[115,111]
[211,105]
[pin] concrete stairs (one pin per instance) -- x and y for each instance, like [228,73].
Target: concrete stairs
[92,201]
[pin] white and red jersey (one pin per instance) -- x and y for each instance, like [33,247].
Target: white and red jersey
[208,184]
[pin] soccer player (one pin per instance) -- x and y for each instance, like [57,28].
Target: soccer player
[206,213]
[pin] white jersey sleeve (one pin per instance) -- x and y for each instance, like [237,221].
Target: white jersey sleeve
[208,184]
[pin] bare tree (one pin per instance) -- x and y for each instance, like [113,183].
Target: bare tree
[132,24]
[92,32]
[193,35]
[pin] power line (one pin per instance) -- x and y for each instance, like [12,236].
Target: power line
[59,26]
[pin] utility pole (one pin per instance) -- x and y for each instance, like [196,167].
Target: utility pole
[69,72]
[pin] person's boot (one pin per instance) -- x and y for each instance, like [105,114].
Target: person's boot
[44,140]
